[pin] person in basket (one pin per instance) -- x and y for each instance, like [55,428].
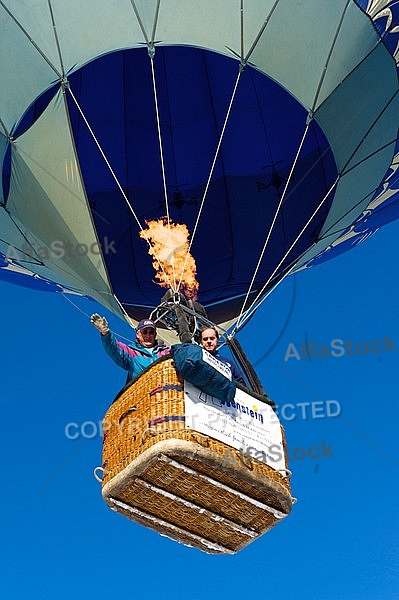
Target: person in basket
[209,341]
[136,356]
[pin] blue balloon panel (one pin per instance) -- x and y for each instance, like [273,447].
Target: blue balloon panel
[262,136]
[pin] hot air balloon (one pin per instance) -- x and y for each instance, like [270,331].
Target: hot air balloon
[268,128]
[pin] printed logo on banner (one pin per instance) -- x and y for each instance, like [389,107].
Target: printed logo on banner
[245,424]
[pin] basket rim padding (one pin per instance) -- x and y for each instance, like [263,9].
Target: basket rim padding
[193,450]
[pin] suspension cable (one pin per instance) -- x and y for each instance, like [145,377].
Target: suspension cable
[125,314]
[31,40]
[114,176]
[274,218]
[250,310]
[57,41]
[105,158]
[151,52]
[66,297]
[211,172]
[5,132]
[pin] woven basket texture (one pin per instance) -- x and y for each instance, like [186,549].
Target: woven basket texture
[183,484]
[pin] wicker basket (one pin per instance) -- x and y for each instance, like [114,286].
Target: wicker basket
[177,481]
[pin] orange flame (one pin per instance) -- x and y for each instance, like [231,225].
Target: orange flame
[169,247]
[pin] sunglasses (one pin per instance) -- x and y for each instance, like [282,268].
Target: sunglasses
[148,331]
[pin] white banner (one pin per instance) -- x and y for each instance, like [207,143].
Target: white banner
[220,366]
[246,424]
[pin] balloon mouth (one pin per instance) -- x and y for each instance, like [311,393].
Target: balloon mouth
[230,205]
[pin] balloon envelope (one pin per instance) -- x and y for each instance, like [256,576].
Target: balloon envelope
[290,167]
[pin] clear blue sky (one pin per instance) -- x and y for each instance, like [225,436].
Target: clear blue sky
[59,539]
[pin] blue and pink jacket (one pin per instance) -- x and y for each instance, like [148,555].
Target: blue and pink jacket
[134,358]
